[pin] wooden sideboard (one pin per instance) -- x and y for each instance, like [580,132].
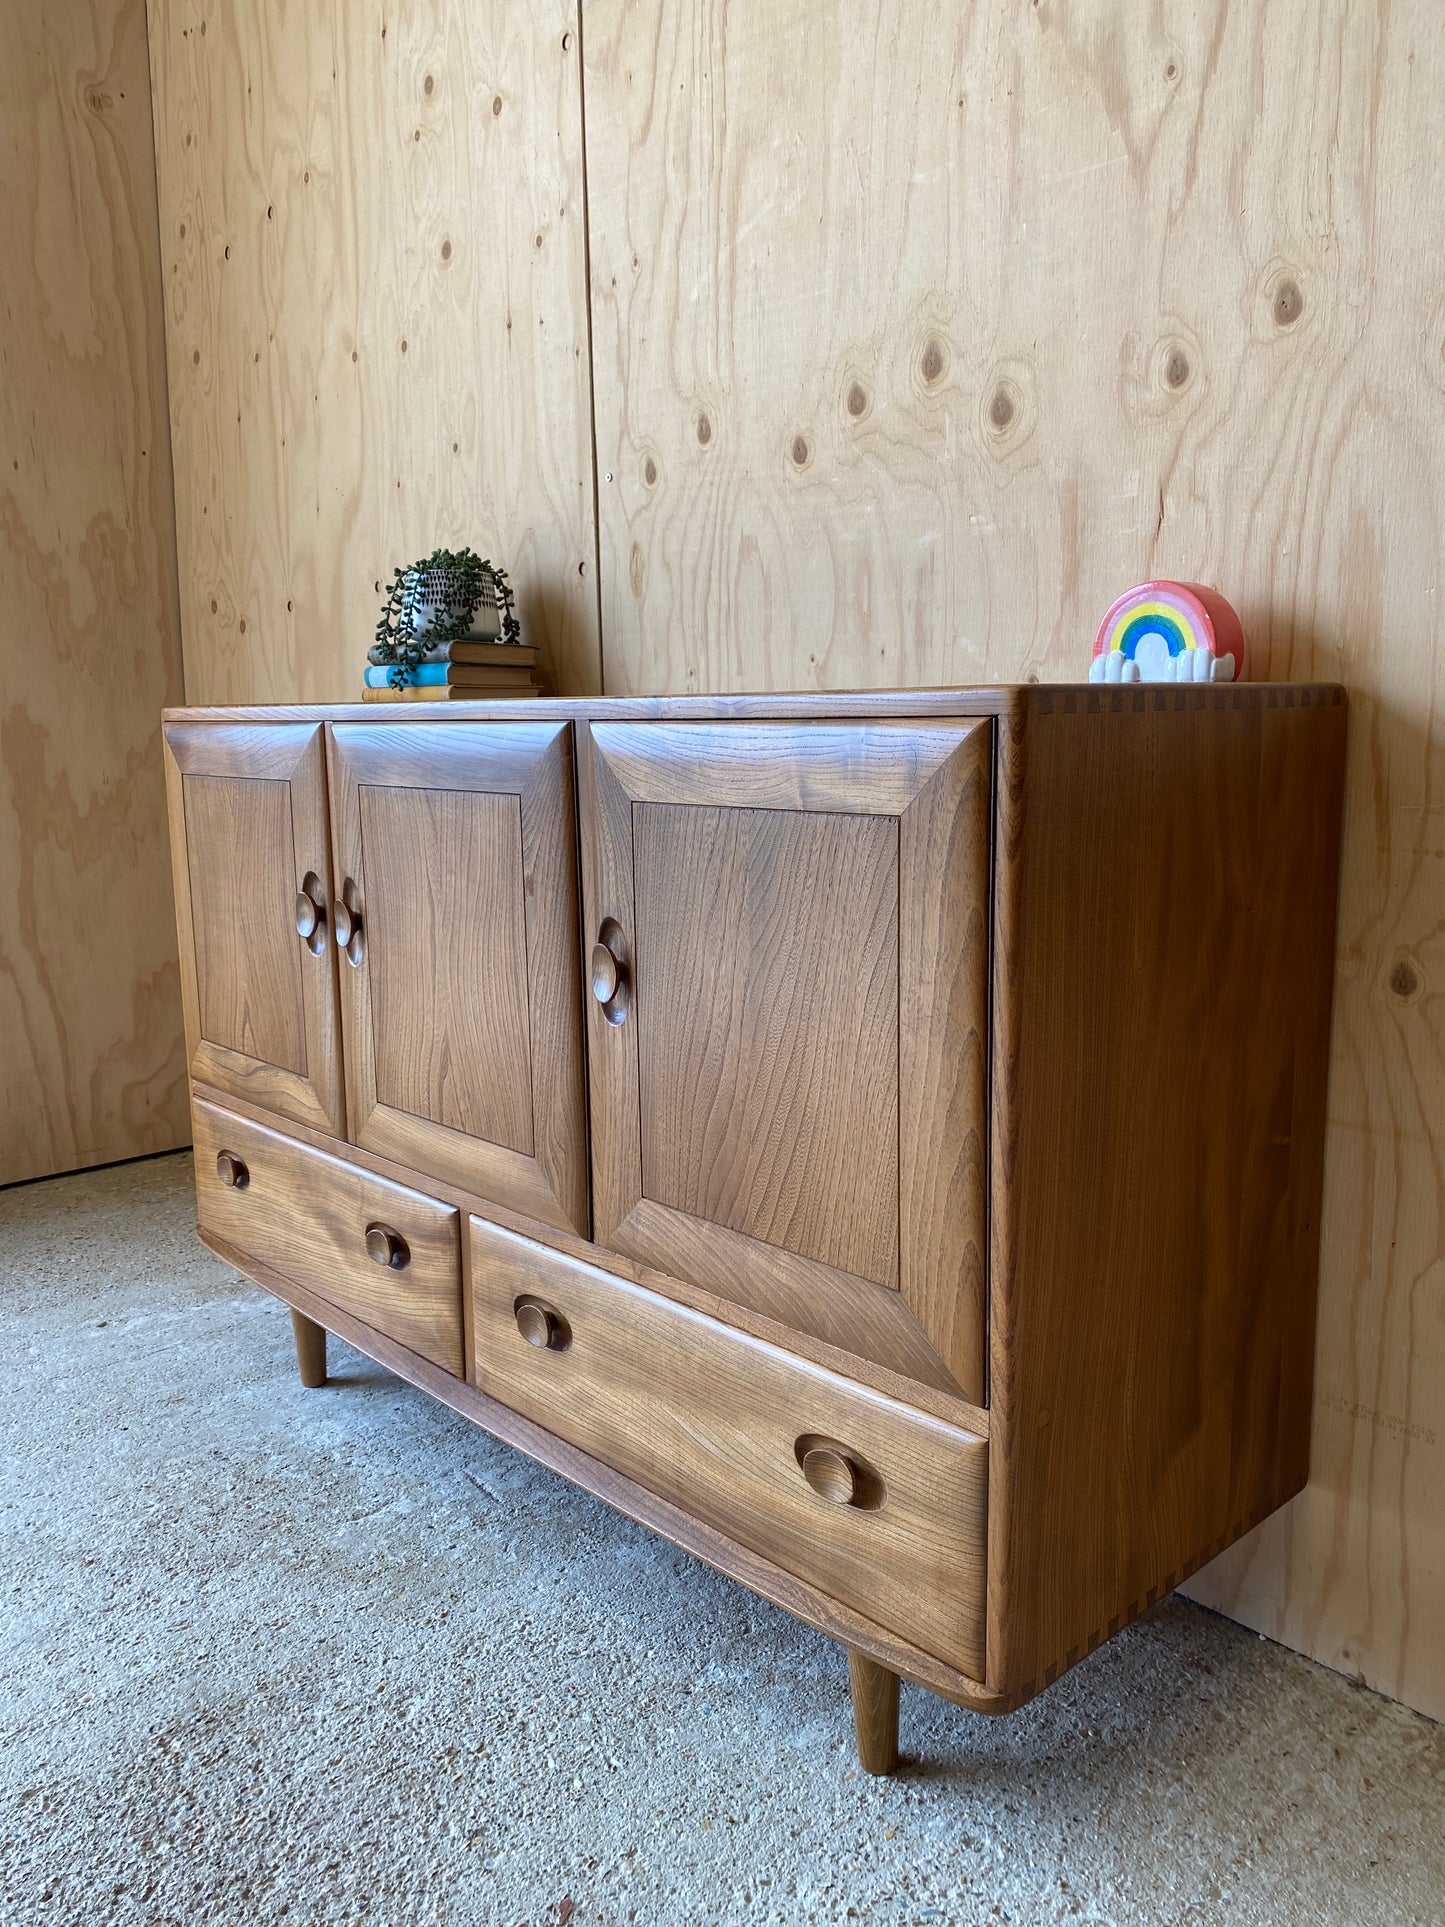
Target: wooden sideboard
[874,1140]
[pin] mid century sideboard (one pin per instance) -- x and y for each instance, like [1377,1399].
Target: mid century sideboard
[875,1140]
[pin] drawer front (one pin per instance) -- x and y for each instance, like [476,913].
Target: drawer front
[881,1507]
[308,1215]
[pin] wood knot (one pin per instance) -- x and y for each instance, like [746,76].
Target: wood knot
[857,400]
[1404,978]
[1176,368]
[1289,303]
[704,430]
[649,472]
[446,250]
[428,84]
[933,360]
[496,105]
[1002,408]
[800,451]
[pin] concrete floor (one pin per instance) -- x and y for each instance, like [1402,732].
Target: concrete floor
[336,1656]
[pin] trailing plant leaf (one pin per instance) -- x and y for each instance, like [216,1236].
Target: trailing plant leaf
[435,600]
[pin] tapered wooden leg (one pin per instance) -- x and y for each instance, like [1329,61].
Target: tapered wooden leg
[310,1349]
[875,1712]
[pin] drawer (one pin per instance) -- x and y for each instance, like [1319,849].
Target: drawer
[881,1507]
[308,1215]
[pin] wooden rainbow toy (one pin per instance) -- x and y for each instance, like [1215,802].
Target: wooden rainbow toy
[1169,632]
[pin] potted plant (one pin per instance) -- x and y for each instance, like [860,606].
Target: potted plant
[435,601]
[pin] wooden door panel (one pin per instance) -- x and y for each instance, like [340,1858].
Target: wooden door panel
[453,1042]
[791,1112]
[461,999]
[249,809]
[767,1055]
[248,969]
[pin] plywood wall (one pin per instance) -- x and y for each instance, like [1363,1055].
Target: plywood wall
[91,1057]
[919,335]
[372,233]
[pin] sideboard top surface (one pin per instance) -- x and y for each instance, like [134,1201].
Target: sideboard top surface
[1018,700]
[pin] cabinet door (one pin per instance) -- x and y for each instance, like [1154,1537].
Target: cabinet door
[457,931]
[253,885]
[787,1031]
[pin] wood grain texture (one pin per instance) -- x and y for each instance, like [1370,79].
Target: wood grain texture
[372,232]
[248,972]
[462,1022]
[838,1307]
[807,908]
[248,833]
[90,1036]
[712,1420]
[945,878]
[307,1214]
[858,704]
[909,1389]
[797,1596]
[310,1350]
[988,319]
[447,944]
[872,769]
[767,1026]
[1162,1021]
[875,1712]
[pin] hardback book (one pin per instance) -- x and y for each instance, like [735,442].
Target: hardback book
[458,693]
[426,675]
[511,655]
[486,677]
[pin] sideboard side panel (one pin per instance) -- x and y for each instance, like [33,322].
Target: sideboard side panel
[1168,865]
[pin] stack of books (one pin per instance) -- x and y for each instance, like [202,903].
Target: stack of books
[428,684]
[470,671]
[479,667]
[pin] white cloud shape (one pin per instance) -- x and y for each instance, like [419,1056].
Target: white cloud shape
[1152,662]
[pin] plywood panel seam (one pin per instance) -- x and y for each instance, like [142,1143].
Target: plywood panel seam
[591,354]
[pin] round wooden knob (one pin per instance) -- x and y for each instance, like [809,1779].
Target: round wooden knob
[606,974]
[541,1326]
[308,915]
[232,1170]
[832,1475]
[346,921]
[609,971]
[387,1247]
